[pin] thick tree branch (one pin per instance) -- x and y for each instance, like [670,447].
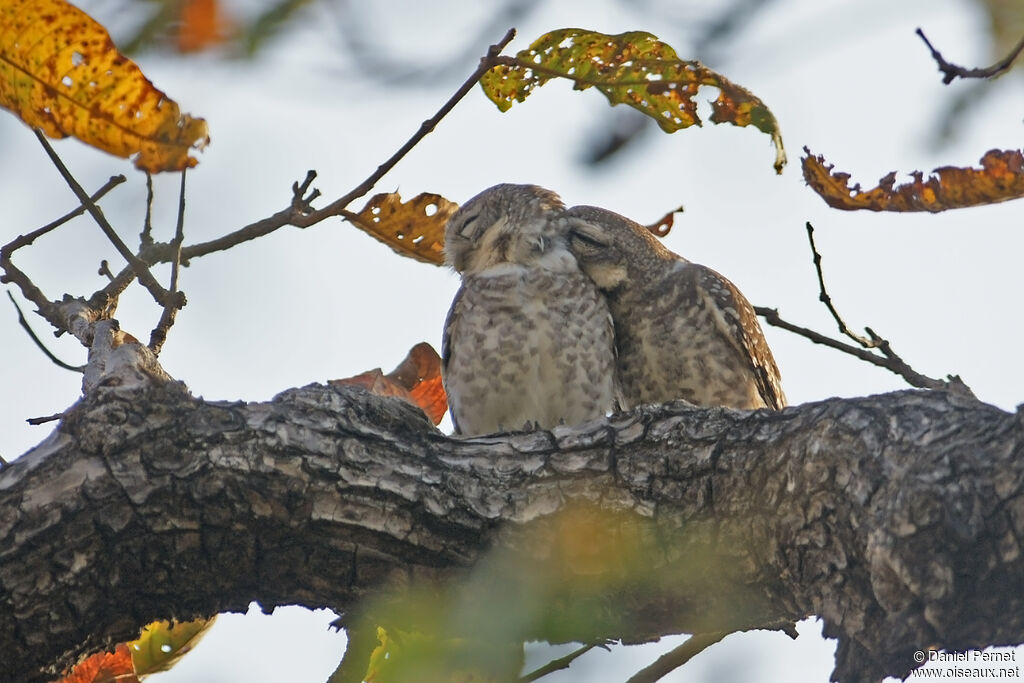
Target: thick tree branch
[899,519]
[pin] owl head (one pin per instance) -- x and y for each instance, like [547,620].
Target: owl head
[613,250]
[506,223]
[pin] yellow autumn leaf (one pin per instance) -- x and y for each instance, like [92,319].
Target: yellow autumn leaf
[162,643]
[414,228]
[60,72]
[632,68]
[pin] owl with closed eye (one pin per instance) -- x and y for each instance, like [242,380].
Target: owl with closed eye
[528,340]
[681,329]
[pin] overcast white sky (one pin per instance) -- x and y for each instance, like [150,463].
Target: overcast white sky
[849,80]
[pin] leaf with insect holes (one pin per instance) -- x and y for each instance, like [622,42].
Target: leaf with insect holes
[414,228]
[417,380]
[632,68]
[60,72]
[1000,178]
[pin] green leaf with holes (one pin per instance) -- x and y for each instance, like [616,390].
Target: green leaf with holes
[633,68]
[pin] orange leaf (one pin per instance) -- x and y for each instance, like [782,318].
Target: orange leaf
[664,224]
[60,72]
[417,380]
[1000,178]
[414,228]
[420,373]
[104,667]
[202,24]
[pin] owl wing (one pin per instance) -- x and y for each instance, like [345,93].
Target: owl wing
[738,323]
[446,346]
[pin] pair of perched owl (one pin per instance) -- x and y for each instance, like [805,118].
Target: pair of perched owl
[567,314]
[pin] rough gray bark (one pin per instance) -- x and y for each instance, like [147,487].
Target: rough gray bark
[897,518]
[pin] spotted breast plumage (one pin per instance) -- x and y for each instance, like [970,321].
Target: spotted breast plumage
[681,329]
[528,342]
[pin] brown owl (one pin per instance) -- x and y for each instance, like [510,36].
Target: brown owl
[528,342]
[681,329]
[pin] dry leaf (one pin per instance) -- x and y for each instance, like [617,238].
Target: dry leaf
[1000,178]
[417,380]
[414,228]
[632,68]
[104,667]
[664,226]
[60,72]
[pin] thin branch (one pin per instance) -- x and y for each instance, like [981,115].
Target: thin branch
[486,64]
[951,71]
[140,267]
[146,236]
[560,663]
[889,358]
[300,214]
[26,240]
[824,298]
[42,347]
[890,361]
[12,274]
[672,660]
[159,334]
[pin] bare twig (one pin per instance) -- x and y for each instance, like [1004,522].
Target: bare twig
[14,275]
[486,63]
[159,334]
[672,660]
[45,419]
[889,358]
[146,236]
[300,213]
[42,347]
[889,361]
[26,240]
[560,663]
[104,269]
[140,267]
[952,71]
[824,298]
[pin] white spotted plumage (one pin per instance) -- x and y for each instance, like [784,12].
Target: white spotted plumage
[528,342]
[681,329]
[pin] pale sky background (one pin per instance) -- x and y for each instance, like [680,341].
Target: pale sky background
[849,80]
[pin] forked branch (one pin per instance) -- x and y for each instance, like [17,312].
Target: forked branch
[885,357]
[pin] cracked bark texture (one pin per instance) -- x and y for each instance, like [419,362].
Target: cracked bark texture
[898,519]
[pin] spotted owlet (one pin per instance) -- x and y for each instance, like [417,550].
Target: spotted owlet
[681,329]
[528,342]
